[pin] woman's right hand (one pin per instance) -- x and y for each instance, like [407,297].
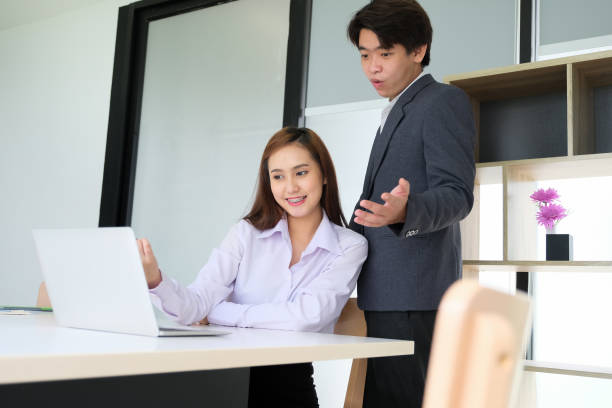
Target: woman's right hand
[149,263]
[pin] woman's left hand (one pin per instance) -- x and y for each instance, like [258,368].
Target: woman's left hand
[149,263]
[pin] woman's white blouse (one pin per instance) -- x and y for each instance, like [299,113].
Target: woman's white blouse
[247,281]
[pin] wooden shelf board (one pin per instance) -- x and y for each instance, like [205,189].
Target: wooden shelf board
[577,166]
[499,86]
[534,78]
[522,162]
[537,266]
[580,60]
[567,369]
[489,175]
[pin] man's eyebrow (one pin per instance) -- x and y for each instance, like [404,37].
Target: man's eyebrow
[294,168]
[380,47]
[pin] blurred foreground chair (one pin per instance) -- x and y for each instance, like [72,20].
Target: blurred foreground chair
[352,323]
[477,349]
[476,355]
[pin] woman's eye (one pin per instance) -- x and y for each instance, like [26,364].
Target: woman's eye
[277,177]
[302,173]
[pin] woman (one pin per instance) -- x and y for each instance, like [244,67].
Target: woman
[289,264]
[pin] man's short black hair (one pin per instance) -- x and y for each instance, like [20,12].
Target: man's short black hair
[394,22]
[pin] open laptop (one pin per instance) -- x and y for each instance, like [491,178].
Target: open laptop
[95,280]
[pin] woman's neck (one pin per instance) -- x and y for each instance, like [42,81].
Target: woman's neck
[302,229]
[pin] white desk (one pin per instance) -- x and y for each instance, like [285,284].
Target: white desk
[34,349]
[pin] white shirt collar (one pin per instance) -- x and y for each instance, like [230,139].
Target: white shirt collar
[325,236]
[387,109]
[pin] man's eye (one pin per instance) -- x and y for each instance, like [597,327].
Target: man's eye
[364,56]
[385,54]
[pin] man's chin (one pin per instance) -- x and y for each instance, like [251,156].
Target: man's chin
[382,93]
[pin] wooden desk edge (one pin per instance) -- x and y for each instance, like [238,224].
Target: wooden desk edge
[23,369]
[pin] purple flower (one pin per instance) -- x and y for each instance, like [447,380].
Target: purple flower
[550,214]
[545,196]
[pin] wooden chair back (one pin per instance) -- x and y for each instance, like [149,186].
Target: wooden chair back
[477,349]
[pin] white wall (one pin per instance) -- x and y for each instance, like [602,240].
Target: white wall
[467,35]
[55,79]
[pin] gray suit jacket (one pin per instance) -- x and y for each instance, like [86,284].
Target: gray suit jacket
[428,139]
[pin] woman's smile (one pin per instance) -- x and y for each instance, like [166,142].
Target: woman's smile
[295,201]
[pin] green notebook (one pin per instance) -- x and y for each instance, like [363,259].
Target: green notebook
[29,308]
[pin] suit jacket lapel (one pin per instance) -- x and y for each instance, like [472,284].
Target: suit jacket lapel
[381,142]
[370,168]
[366,185]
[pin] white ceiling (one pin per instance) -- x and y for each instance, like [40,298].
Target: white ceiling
[17,12]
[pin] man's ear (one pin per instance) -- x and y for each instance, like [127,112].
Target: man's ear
[419,53]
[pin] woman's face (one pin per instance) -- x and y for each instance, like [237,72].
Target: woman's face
[296,181]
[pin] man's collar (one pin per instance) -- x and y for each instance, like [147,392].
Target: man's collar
[392,101]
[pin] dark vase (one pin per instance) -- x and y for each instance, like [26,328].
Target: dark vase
[559,247]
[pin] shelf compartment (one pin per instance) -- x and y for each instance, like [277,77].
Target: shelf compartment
[523,128]
[519,233]
[520,114]
[580,183]
[482,232]
[591,98]
[603,118]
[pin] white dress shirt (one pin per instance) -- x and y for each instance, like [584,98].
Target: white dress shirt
[247,281]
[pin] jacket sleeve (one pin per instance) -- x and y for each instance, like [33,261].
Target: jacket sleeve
[448,143]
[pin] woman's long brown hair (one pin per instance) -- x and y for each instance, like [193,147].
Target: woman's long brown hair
[265,212]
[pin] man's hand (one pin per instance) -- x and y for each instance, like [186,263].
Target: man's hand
[149,263]
[393,211]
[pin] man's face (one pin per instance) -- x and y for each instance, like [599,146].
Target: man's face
[390,70]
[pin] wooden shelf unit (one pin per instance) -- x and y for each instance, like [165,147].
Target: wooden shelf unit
[537,121]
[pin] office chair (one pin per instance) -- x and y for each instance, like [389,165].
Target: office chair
[476,354]
[352,323]
[42,300]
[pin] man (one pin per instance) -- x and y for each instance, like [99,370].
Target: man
[418,186]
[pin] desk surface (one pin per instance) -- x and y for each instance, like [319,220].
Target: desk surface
[34,348]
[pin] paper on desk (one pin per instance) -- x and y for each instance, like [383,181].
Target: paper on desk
[14,312]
